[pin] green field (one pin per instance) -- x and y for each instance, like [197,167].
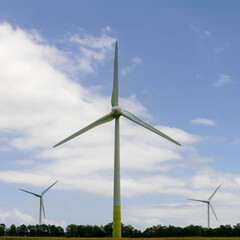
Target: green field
[163,238]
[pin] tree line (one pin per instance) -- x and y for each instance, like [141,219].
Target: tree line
[129,231]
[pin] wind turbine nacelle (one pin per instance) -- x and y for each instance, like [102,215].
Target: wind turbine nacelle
[116,111]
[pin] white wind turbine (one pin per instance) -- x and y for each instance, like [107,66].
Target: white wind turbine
[41,201]
[116,113]
[208,205]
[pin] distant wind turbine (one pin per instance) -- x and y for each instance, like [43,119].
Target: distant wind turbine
[116,113]
[208,205]
[41,201]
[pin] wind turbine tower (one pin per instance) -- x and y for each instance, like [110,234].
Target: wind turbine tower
[41,201]
[209,205]
[116,113]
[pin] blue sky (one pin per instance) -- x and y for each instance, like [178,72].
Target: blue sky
[178,71]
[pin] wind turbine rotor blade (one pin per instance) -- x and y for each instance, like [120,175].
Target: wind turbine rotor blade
[114,100]
[213,211]
[133,118]
[104,119]
[30,192]
[48,188]
[214,193]
[197,200]
[43,207]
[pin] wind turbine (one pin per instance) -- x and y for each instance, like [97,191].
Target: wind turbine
[116,113]
[208,205]
[41,201]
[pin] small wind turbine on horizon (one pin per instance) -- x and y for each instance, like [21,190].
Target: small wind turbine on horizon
[41,201]
[116,113]
[208,205]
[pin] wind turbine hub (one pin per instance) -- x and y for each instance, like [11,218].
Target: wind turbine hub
[116,111]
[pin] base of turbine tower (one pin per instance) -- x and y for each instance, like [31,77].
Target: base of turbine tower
[116,221]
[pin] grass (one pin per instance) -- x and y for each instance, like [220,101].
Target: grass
[163,238]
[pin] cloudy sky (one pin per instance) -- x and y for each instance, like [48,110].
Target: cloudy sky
[178,71]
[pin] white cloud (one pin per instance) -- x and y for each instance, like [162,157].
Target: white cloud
[172,214]
[184,214]
[48,106]
[207,33]
[107,29]
[209,177]
[40,105]
[194,28]
[136,61]
[218,49]
[151,185]
[200,186]
[203,121]
[236,141]
[223,80]
[180,135]
[63,224]
[15,217]
[204,34]
[102,42]
[90,50]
